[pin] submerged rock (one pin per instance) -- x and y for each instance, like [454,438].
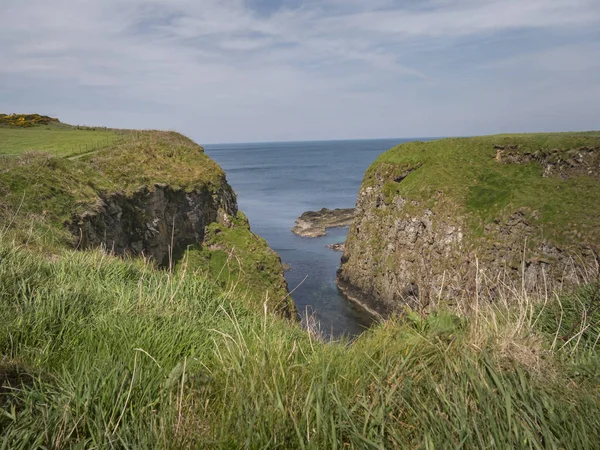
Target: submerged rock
[315,223]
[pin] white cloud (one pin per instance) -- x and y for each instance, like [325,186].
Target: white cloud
[463,18]
[222,71]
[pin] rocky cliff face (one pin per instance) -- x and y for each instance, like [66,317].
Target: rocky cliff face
[389,249]
[413,245]
[156,222]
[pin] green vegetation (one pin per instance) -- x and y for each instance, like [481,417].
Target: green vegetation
[467,172]
[105,352]
[237,260]
[40,193]
[40,182]
[101,352]
[57,139]
[21,133]
[26,120]
[151,157]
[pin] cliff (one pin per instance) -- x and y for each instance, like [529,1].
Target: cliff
[446,219]
[152,194]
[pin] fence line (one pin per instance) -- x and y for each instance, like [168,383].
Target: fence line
[88,147]
[121,137]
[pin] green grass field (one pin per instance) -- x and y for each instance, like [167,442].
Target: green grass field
[57,140]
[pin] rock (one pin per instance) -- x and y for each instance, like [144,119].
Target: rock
[313,224]
[574,162]
[149,221]
[339,247]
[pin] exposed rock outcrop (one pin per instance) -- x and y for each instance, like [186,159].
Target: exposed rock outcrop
[387,255]
[574,162]
[164,223]
[315,223]
[411,249]
[157,222]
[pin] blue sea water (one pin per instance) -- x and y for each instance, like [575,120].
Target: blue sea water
[276,183]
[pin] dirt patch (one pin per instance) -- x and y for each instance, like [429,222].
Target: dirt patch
[13,376]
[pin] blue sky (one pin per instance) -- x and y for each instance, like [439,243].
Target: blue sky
[264,70]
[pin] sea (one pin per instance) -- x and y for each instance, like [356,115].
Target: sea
[278,181]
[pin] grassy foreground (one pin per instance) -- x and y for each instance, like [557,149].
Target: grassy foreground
[100,352]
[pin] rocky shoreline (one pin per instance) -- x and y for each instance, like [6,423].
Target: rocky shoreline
[314,224]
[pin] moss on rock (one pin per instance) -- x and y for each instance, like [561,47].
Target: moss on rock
[234,257]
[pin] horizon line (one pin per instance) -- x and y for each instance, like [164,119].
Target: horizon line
[326,140]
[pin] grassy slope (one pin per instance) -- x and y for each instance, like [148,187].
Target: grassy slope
[52,188]
[234,259]
[466,171]
[100,352]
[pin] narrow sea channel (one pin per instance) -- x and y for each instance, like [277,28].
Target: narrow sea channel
[276,183]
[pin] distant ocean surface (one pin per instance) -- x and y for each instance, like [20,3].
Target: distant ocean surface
[276,183]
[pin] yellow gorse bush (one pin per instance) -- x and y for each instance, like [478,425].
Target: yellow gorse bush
[25,120]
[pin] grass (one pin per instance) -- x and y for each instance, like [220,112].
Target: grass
[47,191]
[99,352]
[157,157]
[468,176]
[237,260]
[56,140]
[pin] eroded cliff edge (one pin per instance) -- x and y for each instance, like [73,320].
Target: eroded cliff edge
[443,220]
[154,195]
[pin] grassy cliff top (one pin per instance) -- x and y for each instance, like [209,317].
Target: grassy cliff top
[37,181]
[552,177]
[20,133]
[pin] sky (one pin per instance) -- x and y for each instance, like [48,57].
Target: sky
[281,70]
